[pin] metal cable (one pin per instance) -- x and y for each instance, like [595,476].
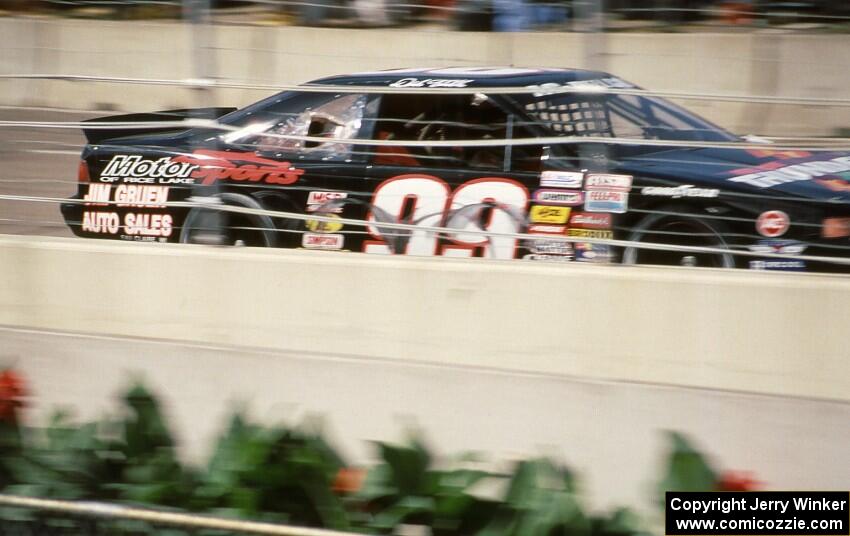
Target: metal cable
[817,144]
[114,511]
[494,90]
[202,203]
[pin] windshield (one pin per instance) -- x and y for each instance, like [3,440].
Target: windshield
[618,116]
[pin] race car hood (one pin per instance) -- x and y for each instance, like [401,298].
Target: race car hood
[821,176]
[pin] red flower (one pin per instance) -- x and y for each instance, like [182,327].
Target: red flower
[738,481]
[348,480]
[12,392]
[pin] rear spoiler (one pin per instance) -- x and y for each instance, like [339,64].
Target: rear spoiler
[97,135]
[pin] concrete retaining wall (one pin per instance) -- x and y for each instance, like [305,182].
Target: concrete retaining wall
[585,363]
[765,63]
[729,330]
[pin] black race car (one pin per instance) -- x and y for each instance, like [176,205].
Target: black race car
[387,152]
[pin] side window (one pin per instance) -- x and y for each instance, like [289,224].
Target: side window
[339,116]
[444,118]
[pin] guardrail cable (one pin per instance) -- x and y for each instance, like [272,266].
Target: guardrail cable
[157,517]
[214,205]
[489,90]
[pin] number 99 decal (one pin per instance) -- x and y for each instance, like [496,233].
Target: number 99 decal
[488,204]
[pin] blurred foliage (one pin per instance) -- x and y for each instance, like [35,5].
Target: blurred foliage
[687,469]
[539,498]
[292,475]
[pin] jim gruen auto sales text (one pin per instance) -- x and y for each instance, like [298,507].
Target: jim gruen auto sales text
[763,505]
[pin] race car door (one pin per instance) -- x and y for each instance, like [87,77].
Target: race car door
[428,180]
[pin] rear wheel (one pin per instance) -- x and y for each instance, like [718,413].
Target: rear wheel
[219,227]
[678,230]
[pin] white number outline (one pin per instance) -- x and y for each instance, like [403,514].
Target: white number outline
[457,246]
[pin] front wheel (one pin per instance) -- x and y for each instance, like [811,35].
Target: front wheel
[677,229]
[210,226]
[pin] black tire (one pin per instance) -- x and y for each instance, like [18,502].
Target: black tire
[252,230]
[671,225]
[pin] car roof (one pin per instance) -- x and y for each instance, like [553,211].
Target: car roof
[453,77]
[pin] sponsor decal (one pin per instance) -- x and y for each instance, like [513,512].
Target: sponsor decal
[317,198]
[127,195]
[325,208]
[98,194]
[835,227]
[836,185]
[135,169]
[317,226]
[148,224]
[559,197]
[685,190]
[322,241]
[591,233]
[587,252]
[606,201]
[771,264]
[132,195]
[780,247]
[548,214]
[607,181]
[599,83]
[430,82]
[202,165]
[433,202]
[587,220]
[101,222]
[212,166]
[551,246]
[774,173]
[561,179]
[773,223]
[610,82]
[547,257]
[773,153]
[323,202]
[547,229]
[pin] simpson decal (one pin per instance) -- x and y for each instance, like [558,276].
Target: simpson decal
[322,241]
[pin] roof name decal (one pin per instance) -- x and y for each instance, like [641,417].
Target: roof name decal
[430,82]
